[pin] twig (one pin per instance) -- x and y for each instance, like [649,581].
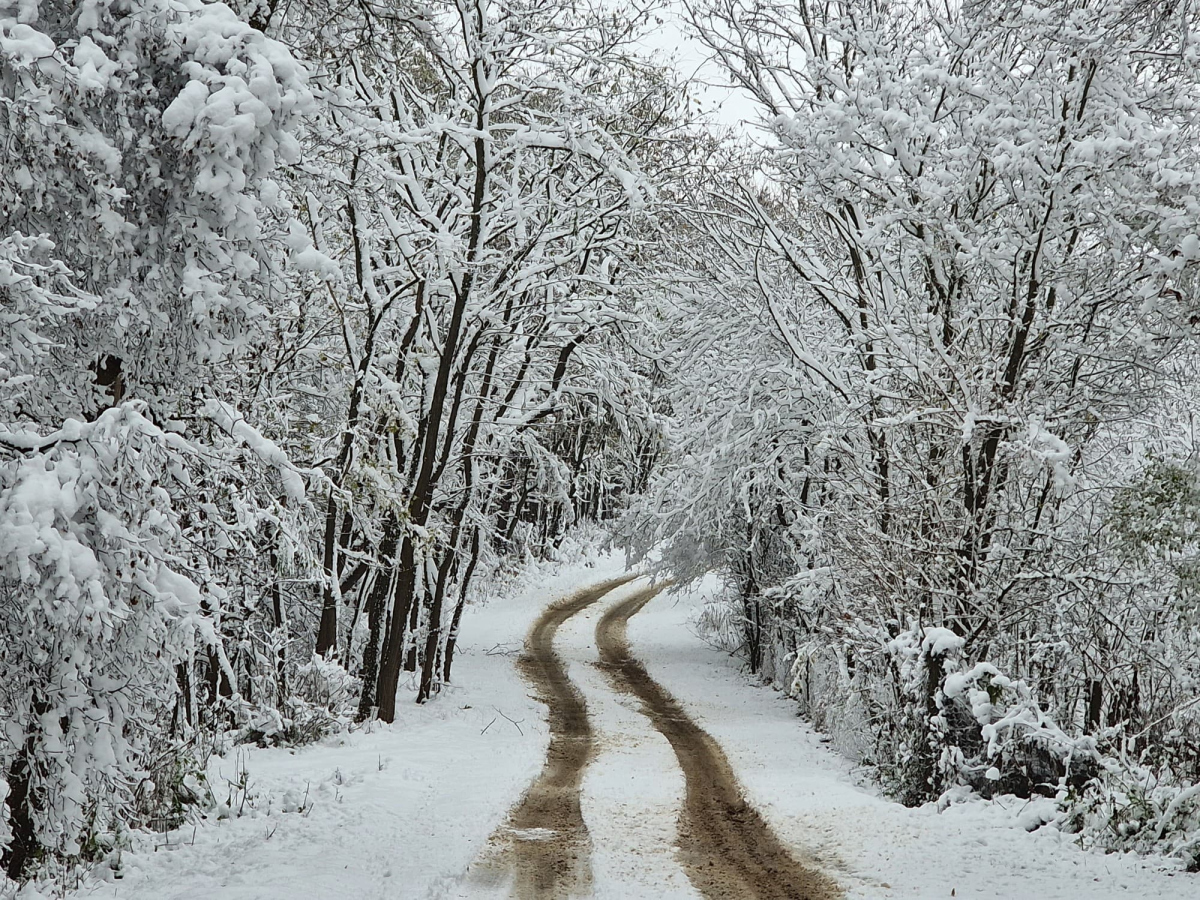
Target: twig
[504,650]
[515,723]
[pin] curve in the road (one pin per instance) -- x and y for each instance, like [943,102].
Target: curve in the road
[725,846]
[545,840]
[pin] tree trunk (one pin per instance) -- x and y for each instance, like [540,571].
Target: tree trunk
[22,803]
[389,672]
[281,636]
[327,633]
[376,609]
[429,662]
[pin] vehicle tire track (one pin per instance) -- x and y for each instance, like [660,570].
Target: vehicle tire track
[725,846]
[544,845]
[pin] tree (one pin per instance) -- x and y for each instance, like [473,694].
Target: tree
[984,285]
[138,221]
[479,191]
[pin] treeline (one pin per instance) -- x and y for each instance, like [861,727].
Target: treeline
[932,359]
[313,316]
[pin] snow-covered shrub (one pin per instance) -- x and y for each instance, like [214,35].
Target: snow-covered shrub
[1023,751]
[975,726]
[1133,807]
[139,219]
[139,140]
[322,700]
[720,624]
[175,787]
[96,611]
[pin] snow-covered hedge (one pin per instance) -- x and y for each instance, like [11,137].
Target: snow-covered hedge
[97,609]
[975,726]
[931,726]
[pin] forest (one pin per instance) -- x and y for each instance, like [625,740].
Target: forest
[319,320]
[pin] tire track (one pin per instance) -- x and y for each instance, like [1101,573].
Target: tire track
[544,846]
[725,846]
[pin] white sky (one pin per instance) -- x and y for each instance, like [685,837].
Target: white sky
[726,105]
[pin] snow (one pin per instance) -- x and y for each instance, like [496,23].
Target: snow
[228,419]
[22,44]
[181,116]
[402,811]
[940,641]
[393,812]
[95,68]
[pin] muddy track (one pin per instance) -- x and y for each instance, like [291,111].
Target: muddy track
[725,846]
[544,846]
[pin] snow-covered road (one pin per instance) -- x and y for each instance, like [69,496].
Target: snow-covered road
[407,811]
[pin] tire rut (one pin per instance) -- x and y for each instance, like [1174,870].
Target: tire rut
[726,848]
[544,846]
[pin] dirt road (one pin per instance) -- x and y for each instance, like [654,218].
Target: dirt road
[724,844]
[544,846]
[725,847]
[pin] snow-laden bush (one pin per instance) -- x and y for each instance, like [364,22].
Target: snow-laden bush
[1133,808]
[322,700]
[975,726]
[933,726]
[139,222]
[140,137]
[96,611]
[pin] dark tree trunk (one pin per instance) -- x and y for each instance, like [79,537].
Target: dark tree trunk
[327,633]
[433,636]
[377,602]
[23,803]
[389,670]
[1095,706]
[281,636]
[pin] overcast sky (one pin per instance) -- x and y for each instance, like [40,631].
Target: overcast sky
[710,86]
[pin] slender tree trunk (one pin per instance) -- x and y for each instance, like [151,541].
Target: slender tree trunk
[327,633]
[414,623]
[389,671]
[452,636]
[376,610]
[23,802]
[281,635]
[429,662]
[364,594]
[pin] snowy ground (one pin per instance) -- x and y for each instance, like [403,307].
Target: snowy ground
[398,813]
[874,848]
[402,812]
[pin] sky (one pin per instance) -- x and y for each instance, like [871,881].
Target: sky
[728,106]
